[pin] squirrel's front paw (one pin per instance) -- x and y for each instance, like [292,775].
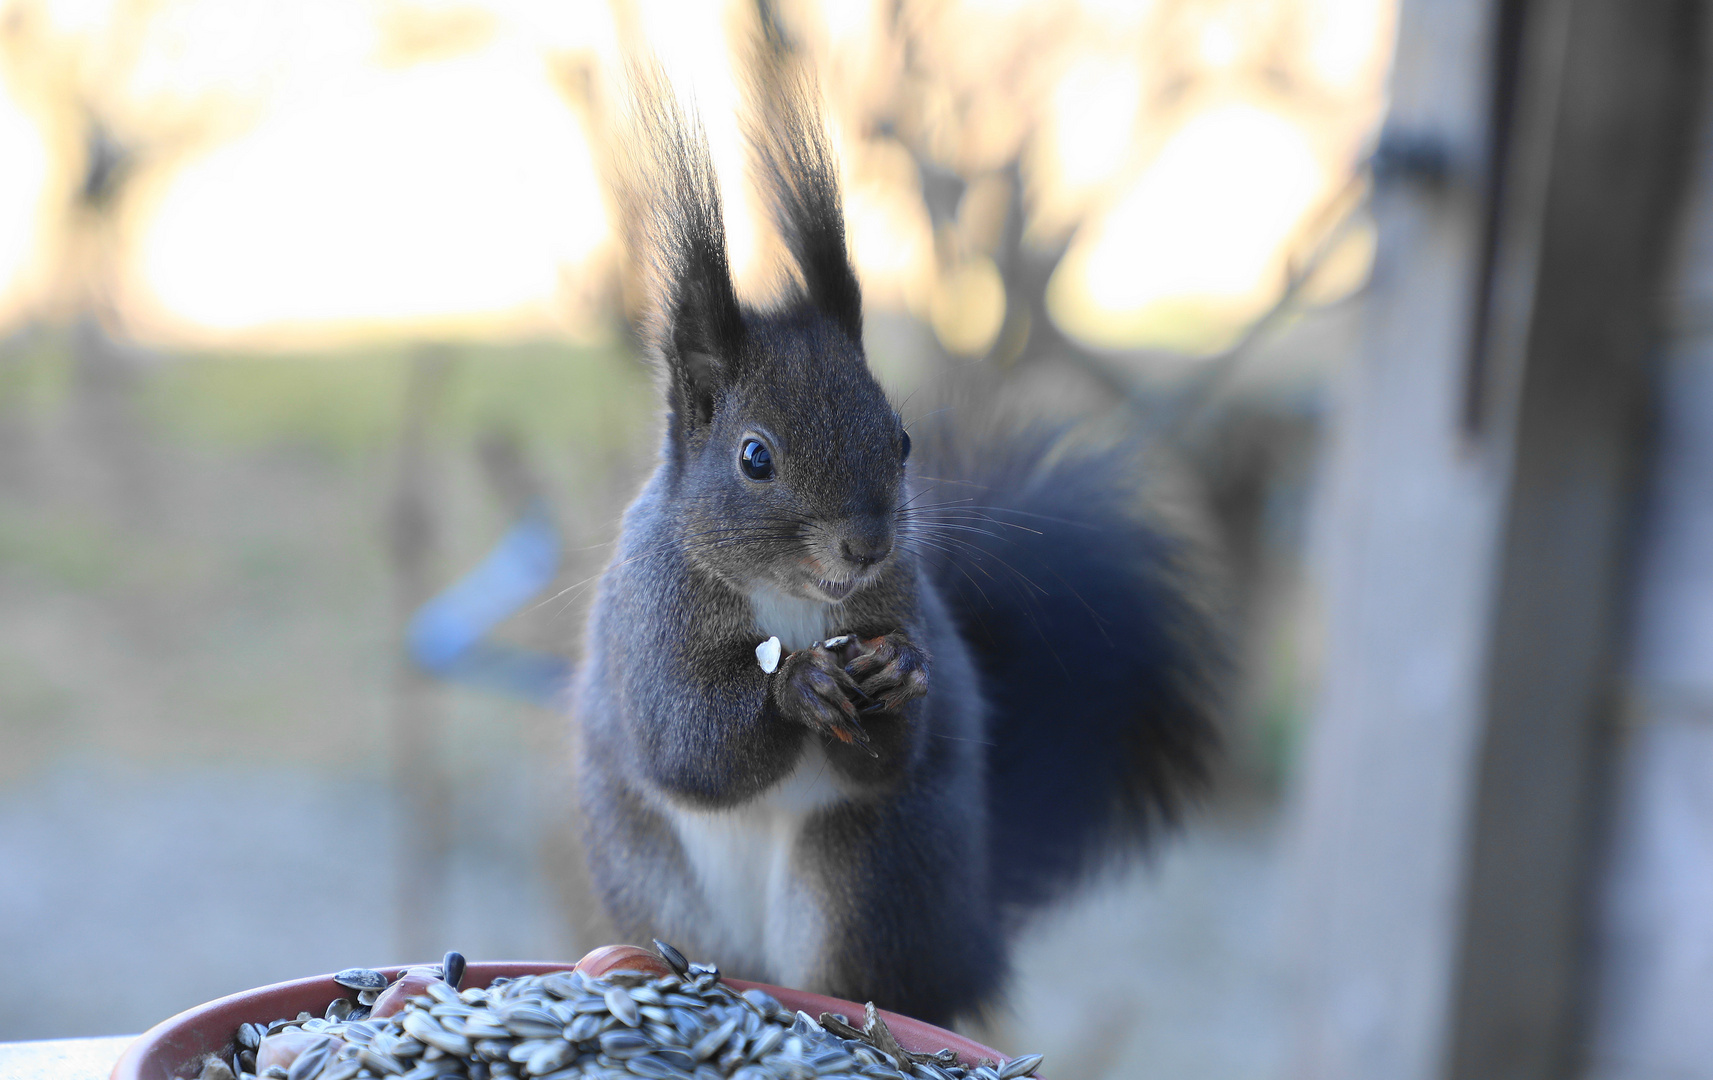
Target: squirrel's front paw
[890,670]
[812,688]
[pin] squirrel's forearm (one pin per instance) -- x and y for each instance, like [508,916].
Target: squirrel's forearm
[707,731]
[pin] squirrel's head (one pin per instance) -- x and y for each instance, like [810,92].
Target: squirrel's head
[784,460]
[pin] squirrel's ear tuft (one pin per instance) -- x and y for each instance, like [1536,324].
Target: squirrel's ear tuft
[801,178]
[670,200]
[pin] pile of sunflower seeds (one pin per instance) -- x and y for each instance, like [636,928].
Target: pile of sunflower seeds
[625,1025]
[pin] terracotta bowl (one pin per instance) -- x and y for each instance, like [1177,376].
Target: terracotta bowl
[167,1050]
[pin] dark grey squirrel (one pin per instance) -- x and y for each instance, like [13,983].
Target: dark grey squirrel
[992,671]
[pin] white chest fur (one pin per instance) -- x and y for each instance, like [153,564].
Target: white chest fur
[796,622]
[765,913]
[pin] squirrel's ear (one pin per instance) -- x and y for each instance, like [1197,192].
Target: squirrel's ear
[801,177]
[694,377]
[673,222]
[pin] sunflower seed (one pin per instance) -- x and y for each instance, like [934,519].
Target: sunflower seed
[764,1002]
[620,1004]
[309,1063]
[524,1050]
[550,1056]
[379,1062]
[676,1058]
[528,1021]
[342,1070]
[452,970]
[829,1061]
[674,959]
[802,1024]
[689,1025]
[422,1025]
[661,1034]
[651,1067]
[769,1039]
[407,1047]
[357,1034]
[441,992]
[623,1044]
[714,1039]
[361,979]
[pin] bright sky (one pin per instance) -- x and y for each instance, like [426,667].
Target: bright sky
[405,167]
[445,190]
[23,181]
[1210,220]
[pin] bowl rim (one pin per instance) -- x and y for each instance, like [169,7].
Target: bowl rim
[162,1051]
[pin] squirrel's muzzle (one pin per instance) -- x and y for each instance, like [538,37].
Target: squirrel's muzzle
[864,541]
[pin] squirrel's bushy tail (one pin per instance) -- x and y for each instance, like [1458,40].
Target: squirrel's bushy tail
[1095,643]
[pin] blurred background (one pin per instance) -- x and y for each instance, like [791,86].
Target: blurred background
[306,307]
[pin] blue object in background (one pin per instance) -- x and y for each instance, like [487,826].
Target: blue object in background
[447,636]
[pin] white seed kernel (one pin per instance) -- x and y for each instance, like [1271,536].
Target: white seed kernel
[767,655]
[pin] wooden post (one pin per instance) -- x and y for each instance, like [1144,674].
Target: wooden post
[1655,948]
[1471,537]
[1607,95]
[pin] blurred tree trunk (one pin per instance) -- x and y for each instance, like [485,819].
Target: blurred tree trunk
[422,788]
[1482,486]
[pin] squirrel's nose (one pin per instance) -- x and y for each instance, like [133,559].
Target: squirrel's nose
[866,548]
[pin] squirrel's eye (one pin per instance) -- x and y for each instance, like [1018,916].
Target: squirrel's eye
[905,456]
[756,460]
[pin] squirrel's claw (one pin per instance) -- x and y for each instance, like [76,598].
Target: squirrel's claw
[891,671]
[851,733]
[812,688]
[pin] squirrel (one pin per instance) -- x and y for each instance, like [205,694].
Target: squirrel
[855,700]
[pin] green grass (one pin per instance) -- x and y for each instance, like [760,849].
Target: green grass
[352,404]
[73,551]
[35,372]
